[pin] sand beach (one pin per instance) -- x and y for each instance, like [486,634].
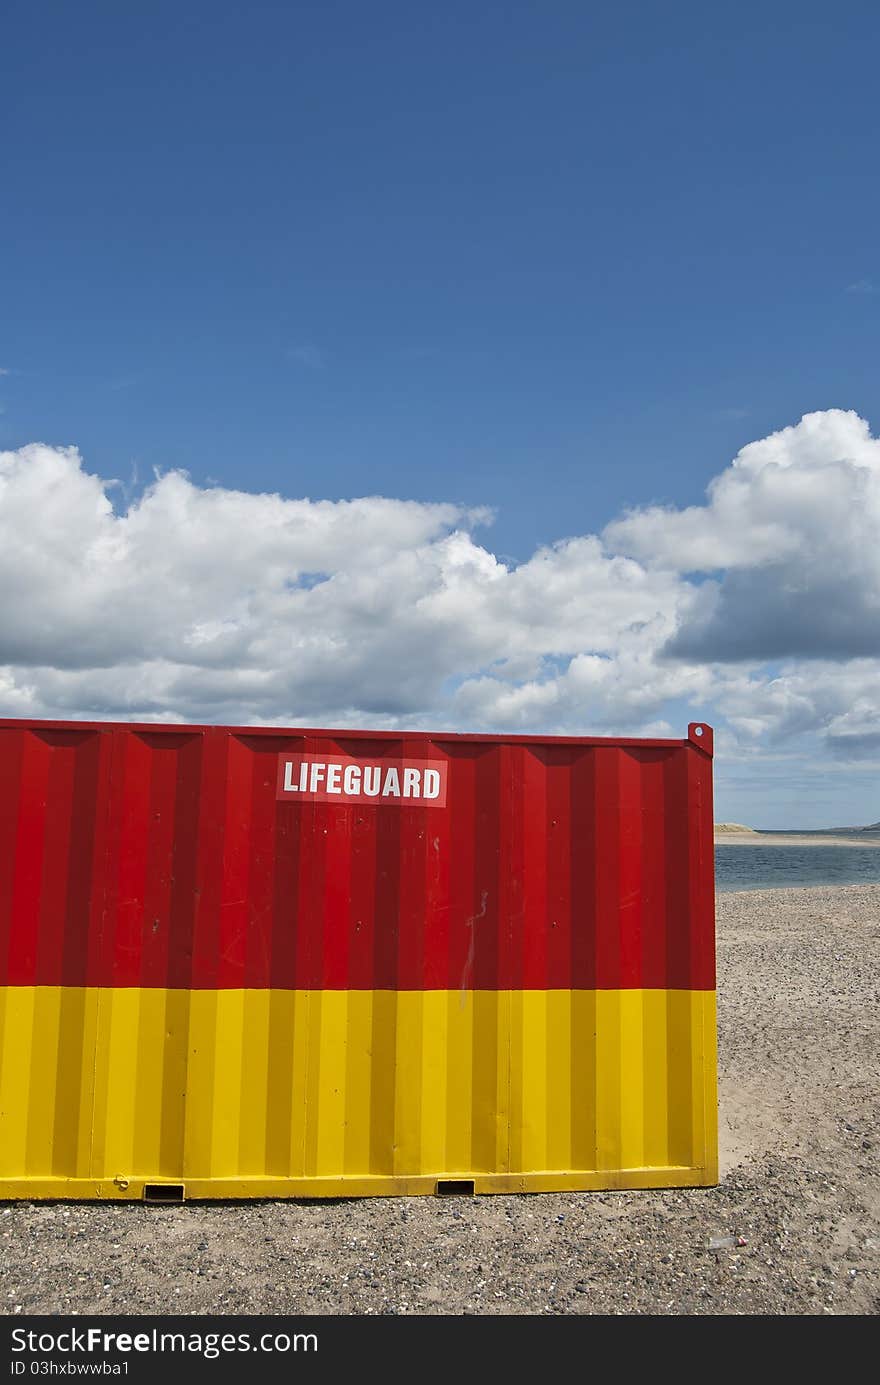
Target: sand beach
[817,839]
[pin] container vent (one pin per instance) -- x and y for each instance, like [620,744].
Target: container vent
[164,1192]
[454,1187]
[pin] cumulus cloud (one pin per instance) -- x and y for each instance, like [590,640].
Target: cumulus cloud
[221,604]
[839,703]
[793,526]
[759,609]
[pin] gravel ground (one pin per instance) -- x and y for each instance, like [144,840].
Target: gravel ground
[798,1206]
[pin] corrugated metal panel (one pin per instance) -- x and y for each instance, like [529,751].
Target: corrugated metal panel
[504,973]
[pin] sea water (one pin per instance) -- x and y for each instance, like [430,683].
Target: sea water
[761,866]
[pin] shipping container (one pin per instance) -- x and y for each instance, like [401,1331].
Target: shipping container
[240,962]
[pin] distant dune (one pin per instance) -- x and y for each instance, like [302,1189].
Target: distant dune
[732,834]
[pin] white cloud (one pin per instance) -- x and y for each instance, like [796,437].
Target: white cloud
[793,526]
[759,609]
[217,604]
[837,702]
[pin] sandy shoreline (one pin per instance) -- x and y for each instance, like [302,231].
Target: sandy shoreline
[783,839]
[797,1211]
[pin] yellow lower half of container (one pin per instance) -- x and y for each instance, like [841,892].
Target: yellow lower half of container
[271,1093]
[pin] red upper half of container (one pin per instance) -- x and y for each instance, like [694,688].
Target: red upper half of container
[157,855]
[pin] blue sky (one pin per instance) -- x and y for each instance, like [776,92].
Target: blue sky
[553,259]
